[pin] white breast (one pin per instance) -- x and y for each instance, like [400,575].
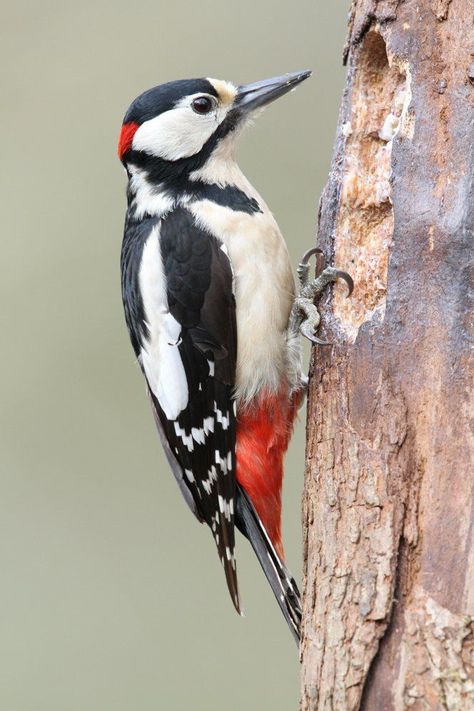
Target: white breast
[264,289]
[160,356]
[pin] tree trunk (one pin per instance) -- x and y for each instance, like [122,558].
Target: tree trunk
[388,501]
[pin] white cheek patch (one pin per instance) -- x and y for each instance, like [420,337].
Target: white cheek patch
[178,133]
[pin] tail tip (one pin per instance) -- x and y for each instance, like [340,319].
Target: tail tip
[238,605]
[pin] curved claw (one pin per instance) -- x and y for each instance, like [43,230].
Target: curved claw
[307,333]
[307,255]
[319,342]
[347,278]
[304,266]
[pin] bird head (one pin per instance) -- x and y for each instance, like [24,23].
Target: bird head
[179,125]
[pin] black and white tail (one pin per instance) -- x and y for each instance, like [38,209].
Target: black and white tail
[281,581]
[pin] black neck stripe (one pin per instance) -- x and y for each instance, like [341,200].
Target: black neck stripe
[172,177]
[229,196]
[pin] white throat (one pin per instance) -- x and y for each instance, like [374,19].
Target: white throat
[221,167]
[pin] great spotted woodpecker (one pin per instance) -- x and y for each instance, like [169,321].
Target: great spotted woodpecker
[210,305]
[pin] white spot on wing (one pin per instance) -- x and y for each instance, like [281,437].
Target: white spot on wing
[207,483]
[221,462]
[186,439]
[226,507]
[224,420]
[208,425]
[198,435]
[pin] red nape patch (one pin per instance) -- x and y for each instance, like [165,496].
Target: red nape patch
[263,434]
[126,137]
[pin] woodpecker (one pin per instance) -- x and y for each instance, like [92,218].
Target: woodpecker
[212,312]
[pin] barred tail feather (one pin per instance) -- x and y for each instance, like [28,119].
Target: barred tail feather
[282,583]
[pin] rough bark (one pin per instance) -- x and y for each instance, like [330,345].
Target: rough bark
[388,502]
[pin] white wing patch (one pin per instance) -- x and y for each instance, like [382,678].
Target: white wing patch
[160,356]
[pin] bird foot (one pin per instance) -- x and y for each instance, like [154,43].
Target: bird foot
[305,316]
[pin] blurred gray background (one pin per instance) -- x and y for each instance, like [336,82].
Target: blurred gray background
[112,597]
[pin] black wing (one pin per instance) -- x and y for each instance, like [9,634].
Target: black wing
[202,437]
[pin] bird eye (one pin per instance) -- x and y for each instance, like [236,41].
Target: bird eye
[202,105]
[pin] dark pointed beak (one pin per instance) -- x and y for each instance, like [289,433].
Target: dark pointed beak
[260,93]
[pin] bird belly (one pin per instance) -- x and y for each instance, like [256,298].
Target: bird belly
[264,293]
